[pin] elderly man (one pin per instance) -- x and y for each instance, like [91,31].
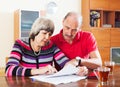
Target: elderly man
[76,44]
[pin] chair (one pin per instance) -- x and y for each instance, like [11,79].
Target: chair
[6,60]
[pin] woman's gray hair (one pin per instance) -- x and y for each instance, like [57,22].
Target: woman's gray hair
[41,24]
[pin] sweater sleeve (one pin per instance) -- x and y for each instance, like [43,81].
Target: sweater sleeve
[13,67]
[60,57]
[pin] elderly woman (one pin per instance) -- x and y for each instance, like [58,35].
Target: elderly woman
[35,55]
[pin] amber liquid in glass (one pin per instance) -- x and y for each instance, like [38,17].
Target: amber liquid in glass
[103,75]
[111,68]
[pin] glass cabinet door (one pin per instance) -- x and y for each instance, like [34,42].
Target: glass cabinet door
[27,19]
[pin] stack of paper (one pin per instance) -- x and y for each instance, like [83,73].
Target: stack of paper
[66,75]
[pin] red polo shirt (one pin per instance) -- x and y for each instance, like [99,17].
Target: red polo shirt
[82,45]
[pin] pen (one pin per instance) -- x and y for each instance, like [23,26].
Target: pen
[53,64]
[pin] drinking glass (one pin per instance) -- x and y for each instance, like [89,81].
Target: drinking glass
[102,74]
[110,64]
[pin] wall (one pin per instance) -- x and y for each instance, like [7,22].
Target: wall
[7,7]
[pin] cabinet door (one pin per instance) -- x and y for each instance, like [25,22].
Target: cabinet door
[114,4]
[85,14]
[16,24]
[23,20]
[115,37]
[102,36]
[105,53]
[27,19]
[99,4]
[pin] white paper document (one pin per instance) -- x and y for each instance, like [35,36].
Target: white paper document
[65,75]
[67,70]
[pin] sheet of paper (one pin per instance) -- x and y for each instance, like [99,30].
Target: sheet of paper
[66,75]
[60,79]
[67,70]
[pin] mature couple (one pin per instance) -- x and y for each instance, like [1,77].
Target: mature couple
[36,54]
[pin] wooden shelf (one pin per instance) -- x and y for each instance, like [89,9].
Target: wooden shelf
[106,28]
[98,4]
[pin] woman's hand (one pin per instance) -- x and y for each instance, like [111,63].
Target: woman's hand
[50,69]
[44,70]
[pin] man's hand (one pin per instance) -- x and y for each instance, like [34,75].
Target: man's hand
[82,71]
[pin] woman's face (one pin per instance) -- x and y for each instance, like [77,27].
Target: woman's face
[42,38]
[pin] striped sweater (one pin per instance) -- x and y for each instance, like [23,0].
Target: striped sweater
[22,58]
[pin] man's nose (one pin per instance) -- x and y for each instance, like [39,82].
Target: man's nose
[69,32]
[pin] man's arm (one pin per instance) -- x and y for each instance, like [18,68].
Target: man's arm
[94,61]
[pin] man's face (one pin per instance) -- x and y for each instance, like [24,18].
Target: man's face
[70,28]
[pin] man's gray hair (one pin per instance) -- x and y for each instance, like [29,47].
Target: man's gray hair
[79,17]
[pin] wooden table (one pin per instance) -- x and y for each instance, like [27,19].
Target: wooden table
[114,81]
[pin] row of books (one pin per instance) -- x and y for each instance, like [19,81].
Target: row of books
[95,22]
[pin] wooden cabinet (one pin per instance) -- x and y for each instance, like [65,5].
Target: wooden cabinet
[115,37]
[98,4]
[114,5]
[102,36]
[105,4]
[85,15]
[102,18]
[23,20]
[105,53]
[103,41]
[101,13]
[16,24]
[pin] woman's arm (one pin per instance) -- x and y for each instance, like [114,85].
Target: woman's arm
[13,67]
[60,57]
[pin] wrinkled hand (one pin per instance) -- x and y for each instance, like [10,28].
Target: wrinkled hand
[50,69]
[44,70]
[82,71]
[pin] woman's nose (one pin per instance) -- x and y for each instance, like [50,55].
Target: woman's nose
[47,36]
